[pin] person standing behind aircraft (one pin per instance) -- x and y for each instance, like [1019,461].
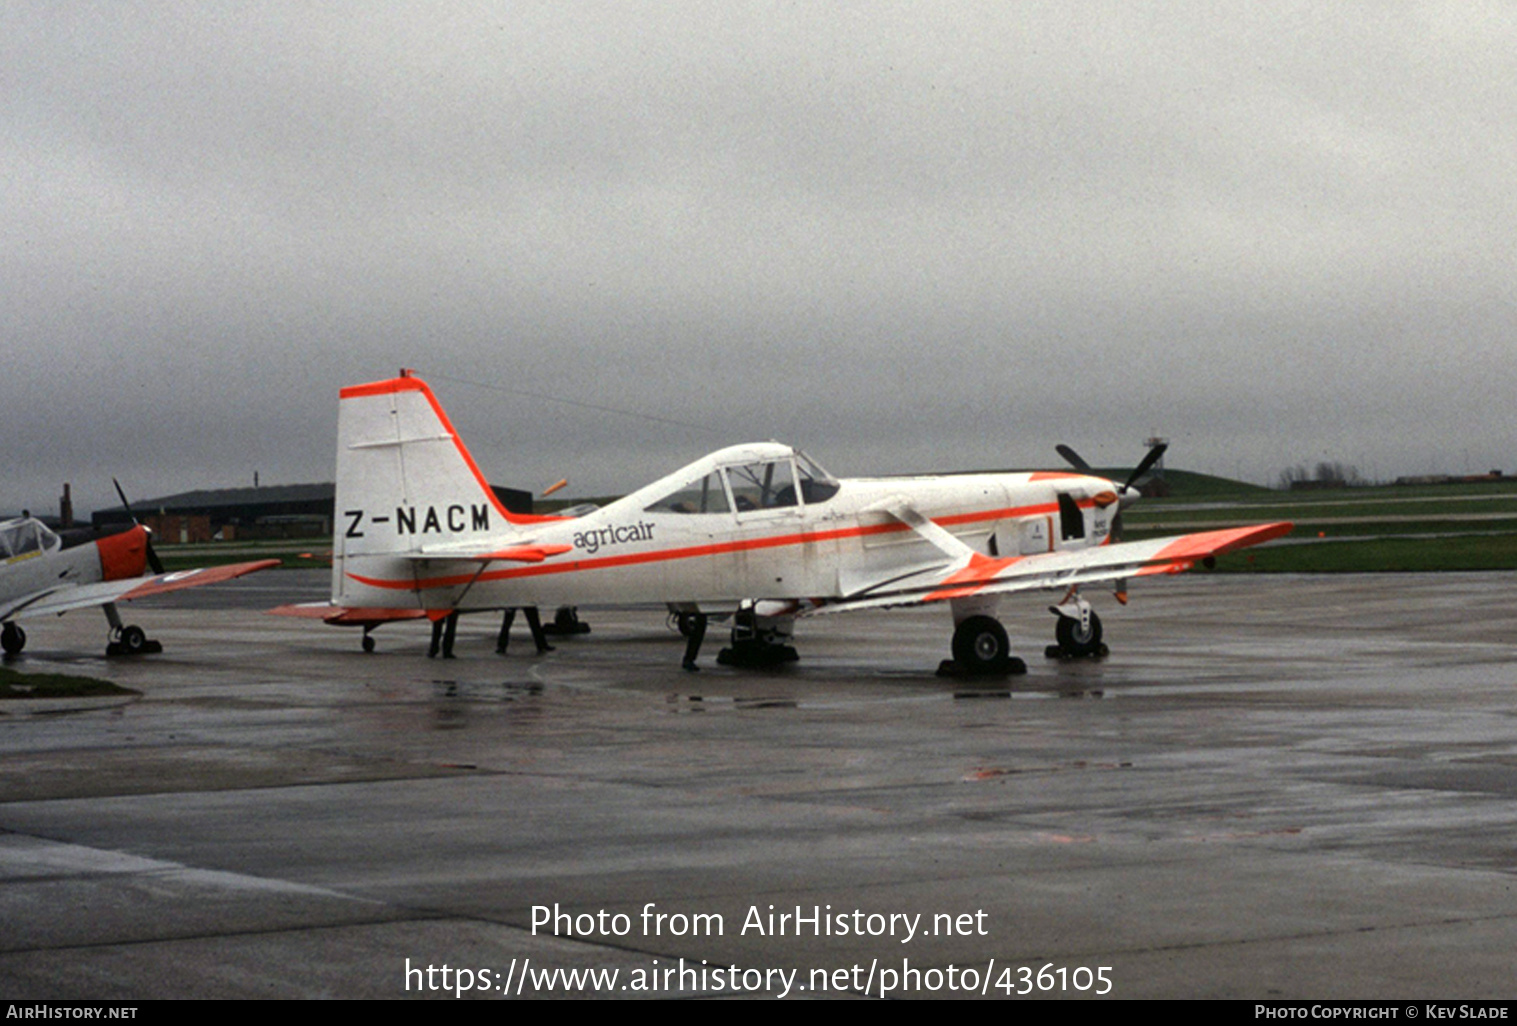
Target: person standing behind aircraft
[443,633]
[534,622]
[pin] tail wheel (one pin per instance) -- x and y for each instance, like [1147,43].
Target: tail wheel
[12,639]
[980,645]
[1076,642]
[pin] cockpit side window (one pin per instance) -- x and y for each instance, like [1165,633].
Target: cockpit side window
[816,484]
[19,537]
[703,496]
[767,485]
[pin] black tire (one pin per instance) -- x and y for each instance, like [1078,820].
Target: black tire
[980,645]
[133,640]
[1076,643]
[12,639]
[368,643]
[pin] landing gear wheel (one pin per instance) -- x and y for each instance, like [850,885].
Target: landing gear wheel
[566,621]
[12,639]
[133,640]
[368,643]
[759,642]
[757,654]
[1077,644]
[981,648]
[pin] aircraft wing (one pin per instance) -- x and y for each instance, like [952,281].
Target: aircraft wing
[16,606]
[971,574]
[81,596]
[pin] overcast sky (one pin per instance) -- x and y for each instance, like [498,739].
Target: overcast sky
[907,237]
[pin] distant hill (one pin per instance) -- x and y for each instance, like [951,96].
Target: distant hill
[1185,484]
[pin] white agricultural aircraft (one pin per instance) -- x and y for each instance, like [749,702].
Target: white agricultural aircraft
[758,529]
[42,572]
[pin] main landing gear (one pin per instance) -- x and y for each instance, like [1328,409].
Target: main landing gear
[128,640]
[981,649]
[125,640]
[566,621]
[132,641]
[757,640]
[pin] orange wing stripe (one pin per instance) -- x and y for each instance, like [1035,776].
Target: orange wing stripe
[195,578]
[1215,543]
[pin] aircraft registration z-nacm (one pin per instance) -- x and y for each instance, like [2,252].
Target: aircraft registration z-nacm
[760,530]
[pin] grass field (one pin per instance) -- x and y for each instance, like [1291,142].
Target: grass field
[295,555]
[1454,527]
[55,685]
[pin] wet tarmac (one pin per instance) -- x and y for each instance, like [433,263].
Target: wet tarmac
[1274,787]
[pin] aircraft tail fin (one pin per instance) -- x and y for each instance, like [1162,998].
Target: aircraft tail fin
[404,477]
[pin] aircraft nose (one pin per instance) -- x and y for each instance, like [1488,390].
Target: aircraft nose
[123,555]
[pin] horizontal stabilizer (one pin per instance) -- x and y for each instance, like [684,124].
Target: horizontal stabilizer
[348,615]
[528,553]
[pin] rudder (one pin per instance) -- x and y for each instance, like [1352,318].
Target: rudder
[404,478]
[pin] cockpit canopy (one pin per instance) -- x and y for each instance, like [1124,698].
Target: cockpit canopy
[25,535]
[745,478]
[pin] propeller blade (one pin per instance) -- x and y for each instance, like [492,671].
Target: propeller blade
[1072,458]
[1154,456]
[152,557]
[124,504]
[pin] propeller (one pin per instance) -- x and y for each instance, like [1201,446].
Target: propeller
[152,557]
[1127,494]
[1154,456]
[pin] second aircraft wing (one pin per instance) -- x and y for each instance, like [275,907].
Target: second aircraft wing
[83,596]
[971,574]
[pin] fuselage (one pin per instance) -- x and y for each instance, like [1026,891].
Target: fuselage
[755,521]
